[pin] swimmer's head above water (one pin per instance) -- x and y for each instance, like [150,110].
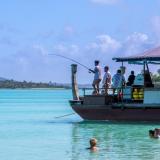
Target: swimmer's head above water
[154,133]
[93,144]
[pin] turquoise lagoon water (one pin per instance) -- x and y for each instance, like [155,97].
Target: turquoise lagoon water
[30,131]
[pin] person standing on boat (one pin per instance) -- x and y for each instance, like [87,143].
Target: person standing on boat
[106,79]
[118,80]
[123,70]
[131,79]
[97,77]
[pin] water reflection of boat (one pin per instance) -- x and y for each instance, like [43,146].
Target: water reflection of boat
[139,102]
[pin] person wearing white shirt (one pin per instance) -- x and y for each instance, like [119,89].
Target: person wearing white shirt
[106,79]
[118,81]
[97,77]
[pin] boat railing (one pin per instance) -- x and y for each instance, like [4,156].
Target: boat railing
[125,93]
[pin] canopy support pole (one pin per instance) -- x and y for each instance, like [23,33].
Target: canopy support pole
[144,63]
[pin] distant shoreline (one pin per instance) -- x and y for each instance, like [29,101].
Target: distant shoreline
[12,84]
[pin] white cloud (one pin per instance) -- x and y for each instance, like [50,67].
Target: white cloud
[104,44]
[33,63]
[136,43]
[137,37]
[30,63]
[105,2]
[106,47]
[107,43]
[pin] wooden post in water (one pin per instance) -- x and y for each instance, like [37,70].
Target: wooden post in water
[74,82]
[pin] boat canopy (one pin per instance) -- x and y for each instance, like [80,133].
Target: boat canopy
[151,56]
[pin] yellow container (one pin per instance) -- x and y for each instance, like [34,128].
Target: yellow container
[141,90]
[135,94]
[141,95]
[135,90]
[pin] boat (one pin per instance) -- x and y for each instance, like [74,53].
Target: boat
[139,102]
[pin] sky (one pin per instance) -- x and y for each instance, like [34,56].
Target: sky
[83,30]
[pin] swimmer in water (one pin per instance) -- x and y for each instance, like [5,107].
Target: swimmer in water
[154,133]
[93,144]
[151,133]
[157,133]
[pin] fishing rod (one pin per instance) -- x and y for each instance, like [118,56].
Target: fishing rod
[58,55]
[66,115]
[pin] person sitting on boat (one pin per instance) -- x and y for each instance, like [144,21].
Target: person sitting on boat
[118,80]
[93,144]
[131,79]
[106,79]
[97,77]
